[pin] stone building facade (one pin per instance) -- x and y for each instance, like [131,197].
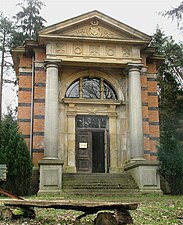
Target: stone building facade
[88,101]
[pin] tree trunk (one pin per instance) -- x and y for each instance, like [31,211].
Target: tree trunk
[6,214]
[123,217]
[105,218]
[2,71]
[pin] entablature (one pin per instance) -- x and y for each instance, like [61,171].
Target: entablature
[93,52]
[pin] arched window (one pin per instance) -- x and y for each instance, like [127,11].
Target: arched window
[87,87]
[73,90]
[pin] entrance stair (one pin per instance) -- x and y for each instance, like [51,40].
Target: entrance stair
[100,184]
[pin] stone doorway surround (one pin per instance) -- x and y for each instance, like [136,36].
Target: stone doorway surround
[83,106]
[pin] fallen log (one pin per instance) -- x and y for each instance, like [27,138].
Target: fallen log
[73,205]
[105,218]
[121,215]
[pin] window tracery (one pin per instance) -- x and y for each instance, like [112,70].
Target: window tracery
[91,88]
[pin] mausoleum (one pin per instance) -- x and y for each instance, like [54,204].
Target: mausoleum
[87,101]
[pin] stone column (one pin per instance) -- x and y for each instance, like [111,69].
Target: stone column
[143,171]
[51,112]
[51,165]
[135,113]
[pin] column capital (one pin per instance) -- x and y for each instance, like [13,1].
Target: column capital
[53,63]
[134,66]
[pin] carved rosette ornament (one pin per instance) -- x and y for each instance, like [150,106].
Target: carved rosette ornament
[78,49]
[111,51]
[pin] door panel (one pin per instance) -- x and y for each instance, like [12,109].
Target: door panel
[98,152]
[84,151]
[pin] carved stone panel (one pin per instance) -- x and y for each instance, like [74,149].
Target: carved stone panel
[94,50]
[61,48]
[126,51]
[78,49]
[67,50]
[111,51]
[94,29]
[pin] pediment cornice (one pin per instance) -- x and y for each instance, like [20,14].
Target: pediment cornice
[93,25]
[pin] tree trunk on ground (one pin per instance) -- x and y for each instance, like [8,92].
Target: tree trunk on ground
[6,214]
[105,218]
[123,217]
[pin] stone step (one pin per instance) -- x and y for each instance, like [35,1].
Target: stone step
[96,179]
[95,182]
[107,187]
[93,175]
[98,183]
[100,192]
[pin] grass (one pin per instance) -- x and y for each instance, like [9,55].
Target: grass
[152,210]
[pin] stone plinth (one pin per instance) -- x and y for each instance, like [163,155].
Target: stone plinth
[50,176]
[145,174]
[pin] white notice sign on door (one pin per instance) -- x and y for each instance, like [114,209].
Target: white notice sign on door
[82,145]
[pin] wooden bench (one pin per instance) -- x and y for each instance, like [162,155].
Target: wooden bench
[120,214]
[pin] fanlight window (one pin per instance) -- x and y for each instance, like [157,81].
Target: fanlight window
[86,87]
[91,121]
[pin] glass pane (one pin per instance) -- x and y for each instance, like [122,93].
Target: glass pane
[91,122]
[109,92]
[73,90]
[91,88]
[103,122]
[87,122]
[79,121]
[94,122]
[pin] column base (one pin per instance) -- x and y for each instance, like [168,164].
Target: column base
[116,169]
[137,159]
[69,169]
[50,176]
[146,175]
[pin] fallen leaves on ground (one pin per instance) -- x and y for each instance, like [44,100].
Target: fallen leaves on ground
[158,211]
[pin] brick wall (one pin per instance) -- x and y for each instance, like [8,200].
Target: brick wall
[150,112]
[24,97]
[39,106]
[24,102]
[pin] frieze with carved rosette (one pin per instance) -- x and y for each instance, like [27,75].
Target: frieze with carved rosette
[92,50]
[111,51]
[78,49]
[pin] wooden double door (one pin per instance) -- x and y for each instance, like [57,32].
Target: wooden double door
[92,151]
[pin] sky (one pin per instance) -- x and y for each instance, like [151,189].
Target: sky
[142,15]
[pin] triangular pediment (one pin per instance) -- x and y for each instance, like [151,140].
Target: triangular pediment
[94,25]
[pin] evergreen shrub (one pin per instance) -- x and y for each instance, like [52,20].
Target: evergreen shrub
[14,153]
